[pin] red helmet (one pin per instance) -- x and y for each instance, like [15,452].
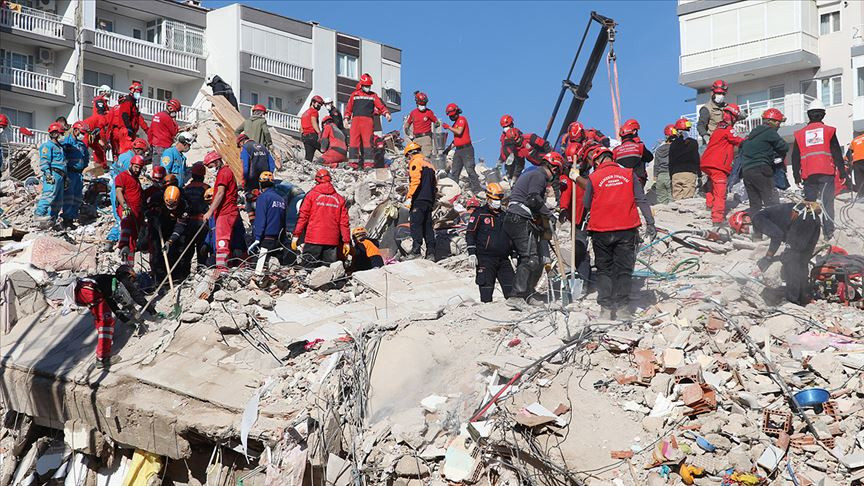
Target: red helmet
[259,107]
[683,125]
[506,121]
[136,87]
[317,99]
[514,134]
[211,158]
[719,86]
[576,131]
[594,153]
[158,174]
[140,143]
[733,110]
[56,127]
[137,160]
[241,138]
[326,119]
[82,126]
[421,98]
[773,114]
[740,222]
[365,80]
[323,175]
[198,170]
[452,108]
[630,127]
[572,151]
[4,122]
[173,105]
[554,159]
[670,131]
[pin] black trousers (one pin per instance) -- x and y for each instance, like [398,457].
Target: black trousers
[858,177]
[516,168]
[491,268]
[795,271]
[421,227]
[273,247]
[525,239]
[310,143]
[759,183]
[201,249]
[821,186]
[318,255]
[615,258]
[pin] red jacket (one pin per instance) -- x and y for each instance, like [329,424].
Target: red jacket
[132,192]
[364,104]
[323,217]
[567,188]
[163,129]
[126,117]
[720,150]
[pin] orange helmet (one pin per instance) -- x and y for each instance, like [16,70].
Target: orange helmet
[740,222]
[494,191]
[171,180]
[171,197]
[208,194]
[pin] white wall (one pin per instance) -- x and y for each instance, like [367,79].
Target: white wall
[370,62]
[224,58]
[391,75]
[282,46]
[324,63]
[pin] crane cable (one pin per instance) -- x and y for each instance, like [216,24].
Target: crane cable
[612,75]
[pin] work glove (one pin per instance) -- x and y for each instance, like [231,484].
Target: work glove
[651,232]
[346,249]
[407,204]
[472,260]
[509,160]
[166,246]
[294,242]
[126,212]
[253,246]
[49,176]
[124,253]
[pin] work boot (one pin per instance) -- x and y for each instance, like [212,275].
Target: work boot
[431,256]
[624,314]
[516,303]
[756,237]
[411,256]
[606,314]
[535,301]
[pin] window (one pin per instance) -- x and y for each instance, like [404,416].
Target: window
[136,33]
[346,65]
[153,29]
[253,98]
[96,78]
[17,117]
[106,25]
[160,94]
[830,91]
[860,72]
[341,106]
[829,22]
[274,103]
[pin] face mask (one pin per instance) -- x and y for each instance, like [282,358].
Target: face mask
[421,107]
[80,136]
[1,129]
[504,129]
[718,98]
[136,95]
[454,117]
[54,135]
[172,114]
[367,89]
[494,204]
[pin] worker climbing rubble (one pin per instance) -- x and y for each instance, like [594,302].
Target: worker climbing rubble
[362,105]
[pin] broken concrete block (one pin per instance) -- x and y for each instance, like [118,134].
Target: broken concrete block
[770,458]
[781,326]
[245,297]
[190,317]
[672,359]
[200,306]
[221,295]
[411,467]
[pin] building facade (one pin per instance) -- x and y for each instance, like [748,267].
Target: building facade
[777,54]
[171,48]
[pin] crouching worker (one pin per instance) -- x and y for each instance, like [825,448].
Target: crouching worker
[488,247]
[106,295]
[366,254]
[270,222]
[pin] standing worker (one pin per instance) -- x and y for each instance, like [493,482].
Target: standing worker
[255,127]
[463,156]
[509,156]
[126,120]
[716,162]
[52,163]
[223,208]
[256,160]
[711,113]
[130,205]
[163,129]
[99,137]
[757,154]
[362,106]
[77,159]
[684,162]
[421,121]
[193,193]
[174,158]
[334,150]
[270,220]
[310,130]
[139,148]
[631,153]
[662,179]
[488,247]
[323,223]
[422,193]
[855,157]
[612,194]
[816,156]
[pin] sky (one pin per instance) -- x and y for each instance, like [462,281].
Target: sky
[496,57]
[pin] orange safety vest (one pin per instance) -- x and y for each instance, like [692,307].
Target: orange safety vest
[857,146]
[814,145]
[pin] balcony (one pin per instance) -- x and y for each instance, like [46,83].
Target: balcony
[276,119]
[35,84]
[277,68]
[259,69]
[18,138]
[131,50]
[38,22]
[793,107]
[151,106]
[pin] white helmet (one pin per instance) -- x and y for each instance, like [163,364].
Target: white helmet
[187,138]
[104,89]
[816,105]
[328,101]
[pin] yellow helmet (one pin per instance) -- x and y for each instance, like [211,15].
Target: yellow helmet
[265,177]
[208,194]
[358,232]
[172,197]
[494,191]
[412,147]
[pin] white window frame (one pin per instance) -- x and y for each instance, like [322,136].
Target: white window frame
[833,27]
[14,113]
[272,103]
[830,81]
[100,78]
[859,80]
[340,56]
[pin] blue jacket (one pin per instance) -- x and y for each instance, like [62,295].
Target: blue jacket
[175,163]
[77,155]
[123,163]
[269,214]
[254,153]
[51,156]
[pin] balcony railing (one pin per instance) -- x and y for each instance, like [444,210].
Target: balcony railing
[279,120]
[748,51]
[793,107]
[32,20]
[30,80]
[150,106]
[139,49]
[277,68]
[18,138]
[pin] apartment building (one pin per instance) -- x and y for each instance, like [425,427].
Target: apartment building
[171,47]
[780,54]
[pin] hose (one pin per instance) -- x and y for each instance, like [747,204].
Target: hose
[684,265]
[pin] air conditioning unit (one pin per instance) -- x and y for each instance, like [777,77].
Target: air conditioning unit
[48,5]
[44,56]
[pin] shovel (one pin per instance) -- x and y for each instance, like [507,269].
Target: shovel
[175,311]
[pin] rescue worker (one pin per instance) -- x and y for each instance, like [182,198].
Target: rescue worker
[223,89]
[163,129]
[523,225]
[310,131]
[126,120]
[463,155]
[52,163]
[612,195]
[421,120]
[716,162]
[223,208]
[816,157]
[270,220]
[509,156]
[177,244]
[101,100]
[256,159]
[756,155]
[855,157]
[592,134]
[255,127]
[105,295]
[4,139]
[662,179]
[139,148]
[362,105]
[631,153]
[711,113]
[488,247]
[365,253]
[99,137]
[420,200]
[335,114]
[684,162]
[797,225]
[575,135]
[130,207]
[334,150]
[154,216]
[323,224]
[174,158]
[77,159]
[193,193]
